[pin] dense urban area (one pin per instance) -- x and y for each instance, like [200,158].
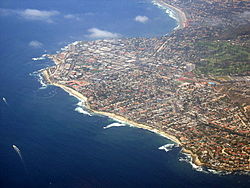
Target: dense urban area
[193,84]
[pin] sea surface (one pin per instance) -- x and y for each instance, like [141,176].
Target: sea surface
[60,144]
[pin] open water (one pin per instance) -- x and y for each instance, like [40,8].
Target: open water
[60,144]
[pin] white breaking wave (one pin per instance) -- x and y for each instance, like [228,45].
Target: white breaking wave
[171,14]
[169,11]
[167,147]
[81,108]
[197,168]
[115,125]
[217,172]
[39,58]
[38,75]
[188,159]
[41,81]
[82,111]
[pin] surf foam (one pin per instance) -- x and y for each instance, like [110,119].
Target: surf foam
[38,58]
[41,81]
[116,124]
[188,158]
[38,75]
[167,147]
[81,108]
[82,111]
[169,11]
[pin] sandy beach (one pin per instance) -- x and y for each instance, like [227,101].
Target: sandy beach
[181,16]
[121,119]
[182,23]
[111,115]
[124,120]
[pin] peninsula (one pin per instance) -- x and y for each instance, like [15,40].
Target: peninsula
[192,85]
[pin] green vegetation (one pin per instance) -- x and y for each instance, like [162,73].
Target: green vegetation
[222,58]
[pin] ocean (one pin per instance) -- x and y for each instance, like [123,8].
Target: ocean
[59,143]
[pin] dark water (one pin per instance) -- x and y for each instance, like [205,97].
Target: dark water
[59,146]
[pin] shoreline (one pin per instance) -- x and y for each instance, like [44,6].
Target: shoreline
[179,15]
[122,119]
[194,157]
[108,114]
[181,19]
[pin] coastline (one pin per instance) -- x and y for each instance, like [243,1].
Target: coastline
[179,15]
[121,119]
[111,115]
[181,19]
[195,158]
[138,125]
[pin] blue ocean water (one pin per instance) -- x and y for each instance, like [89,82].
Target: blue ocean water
[59,146]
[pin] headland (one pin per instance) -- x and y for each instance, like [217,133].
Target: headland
[181,86]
